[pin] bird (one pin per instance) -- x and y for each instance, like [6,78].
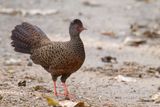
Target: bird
[56,57]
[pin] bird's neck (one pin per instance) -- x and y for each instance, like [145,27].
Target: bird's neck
[77,42]
[77,45]
[75,37]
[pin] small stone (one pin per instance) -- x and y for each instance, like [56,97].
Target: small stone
[158,69]
[1,97]
[109,59]
[99,48]
[22,83]
[159,88]
[140,76]
[91,3]
[29,63]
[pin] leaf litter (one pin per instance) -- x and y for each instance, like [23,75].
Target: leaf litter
[64,103]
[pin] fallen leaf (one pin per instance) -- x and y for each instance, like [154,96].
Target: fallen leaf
[10,69]
[80,104]
[156,97]
[41,88]
[145,100]
[121,78]
[151,34]
[135,27]
[111,34]
[51,101]
[134,41]
[30,77]
[151,70]
[109,104]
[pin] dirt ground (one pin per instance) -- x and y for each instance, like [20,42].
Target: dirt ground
[118,71]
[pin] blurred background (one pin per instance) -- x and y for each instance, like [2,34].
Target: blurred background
[122,41]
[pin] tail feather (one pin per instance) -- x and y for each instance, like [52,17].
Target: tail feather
[26,51]
[26,37]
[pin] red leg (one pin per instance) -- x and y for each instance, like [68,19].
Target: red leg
[55,90]
[65,89]
[66,93]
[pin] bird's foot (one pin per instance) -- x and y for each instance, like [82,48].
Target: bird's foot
[67,96]
[56,94]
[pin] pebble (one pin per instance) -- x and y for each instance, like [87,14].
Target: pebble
[91,3]
[22,83]
[1,97]
[29,63]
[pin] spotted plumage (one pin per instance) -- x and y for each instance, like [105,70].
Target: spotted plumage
[58,58]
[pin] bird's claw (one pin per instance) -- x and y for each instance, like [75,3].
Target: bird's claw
[67,96]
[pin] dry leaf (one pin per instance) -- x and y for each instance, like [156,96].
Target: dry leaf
[121,78]
[41,88]
[134,41]
[156,97]
[68,103]
[51,101]
[111,34]
[80,104]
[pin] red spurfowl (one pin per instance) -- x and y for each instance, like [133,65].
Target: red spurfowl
[58,58]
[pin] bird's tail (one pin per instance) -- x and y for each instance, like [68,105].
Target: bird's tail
[26,37]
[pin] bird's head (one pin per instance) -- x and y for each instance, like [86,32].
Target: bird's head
[76,27]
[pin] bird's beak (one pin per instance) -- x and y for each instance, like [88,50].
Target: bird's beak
[83,28]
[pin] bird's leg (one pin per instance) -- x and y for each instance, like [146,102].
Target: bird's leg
[55,90]
[63,80]
[54,78]
[66,93]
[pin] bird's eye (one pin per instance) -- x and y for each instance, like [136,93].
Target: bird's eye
[78,28]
